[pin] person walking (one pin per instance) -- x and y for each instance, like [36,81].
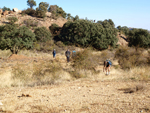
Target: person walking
[107,65]
[54,53]
[67,53]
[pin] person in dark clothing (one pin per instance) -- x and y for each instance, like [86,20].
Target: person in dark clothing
[67,53]
[54,53]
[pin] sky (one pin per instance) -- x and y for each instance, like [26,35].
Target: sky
[130,13]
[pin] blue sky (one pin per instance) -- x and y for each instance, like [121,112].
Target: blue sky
[130,13]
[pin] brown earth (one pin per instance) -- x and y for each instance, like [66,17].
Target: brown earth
[101,94]
[80,96]
[46,22]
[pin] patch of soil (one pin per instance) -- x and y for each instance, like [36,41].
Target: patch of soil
[17,57]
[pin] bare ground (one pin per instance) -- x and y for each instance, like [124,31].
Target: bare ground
[103,94]
[85,96]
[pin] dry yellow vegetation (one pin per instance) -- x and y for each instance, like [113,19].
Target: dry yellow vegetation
[52,88]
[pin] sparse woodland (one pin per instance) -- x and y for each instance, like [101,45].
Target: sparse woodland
[31,80]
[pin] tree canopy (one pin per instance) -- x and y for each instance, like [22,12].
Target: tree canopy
[57,11]
[42,34]
[86,33]
[42,9]
[139,37]
[31,3]
[15,39]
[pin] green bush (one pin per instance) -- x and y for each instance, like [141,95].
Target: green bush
[31,23]
[54,28]
[86,33]
[42,9]
[42,34]
[29,11]
[139,38]
[15,39]
[12,20]
[57,11]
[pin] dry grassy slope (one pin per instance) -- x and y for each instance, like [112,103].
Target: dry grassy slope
[47,21]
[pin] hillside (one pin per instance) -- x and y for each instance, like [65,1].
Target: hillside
[47,21]
[122,39]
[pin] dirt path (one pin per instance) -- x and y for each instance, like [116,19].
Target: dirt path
[86,96]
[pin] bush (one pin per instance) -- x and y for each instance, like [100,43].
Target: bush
[29,11]
[130,57]
[86,33]
[42,9]
[57,11]
[42,34]
[15,39]
[22,73]
[60,44]
[85,60]
[31,23]
[139,38]
[44,46]
[46,69]
[12,20]
[54,28]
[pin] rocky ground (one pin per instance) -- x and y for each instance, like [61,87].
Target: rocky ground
[80,96]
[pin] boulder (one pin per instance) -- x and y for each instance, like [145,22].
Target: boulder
[19,11]
[5,13]
[15,10]
[48,14]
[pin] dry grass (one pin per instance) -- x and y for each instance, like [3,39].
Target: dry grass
[55,86]
[5,53]
[139,73]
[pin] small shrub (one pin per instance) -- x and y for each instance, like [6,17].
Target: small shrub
[12,20]
[44,46]
[31,23]
[85,60]
[78,74]
[130,57]
[60,44]
[29,11]
[21,73]
[46,72]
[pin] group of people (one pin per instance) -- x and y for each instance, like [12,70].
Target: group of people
[67,54]
[107,63]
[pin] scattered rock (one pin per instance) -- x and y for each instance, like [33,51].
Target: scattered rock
[5,13]
[25,95]
[15,10]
